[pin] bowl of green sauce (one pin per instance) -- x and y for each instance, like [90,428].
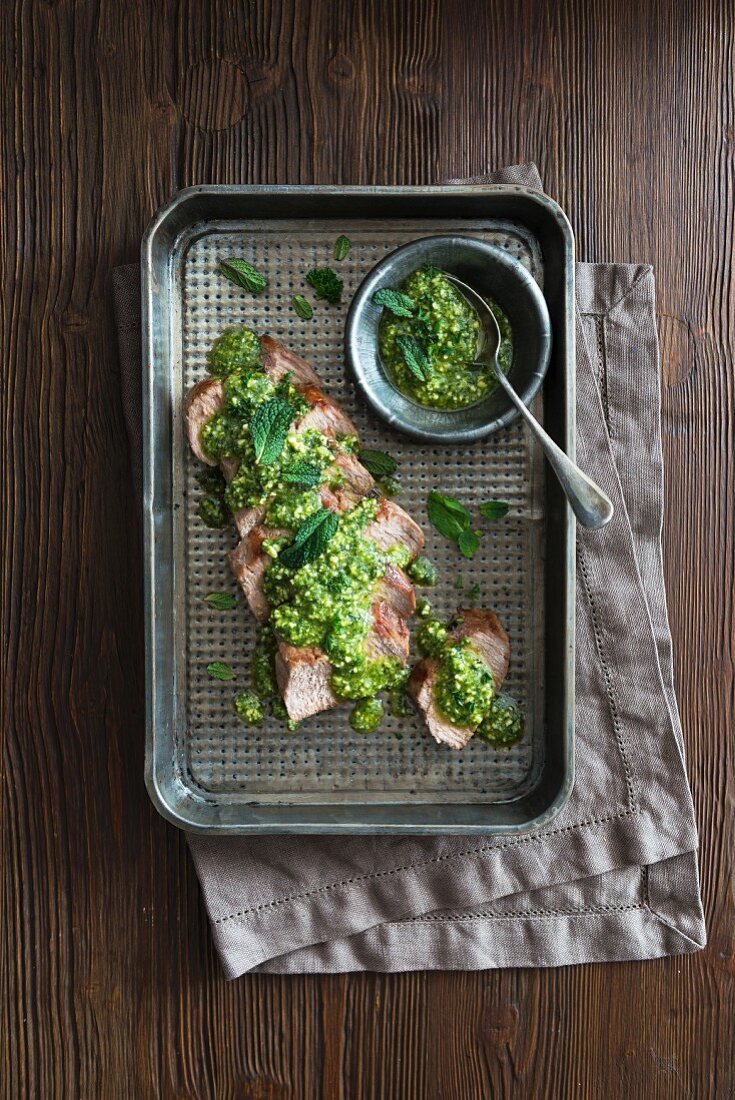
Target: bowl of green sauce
[412,338]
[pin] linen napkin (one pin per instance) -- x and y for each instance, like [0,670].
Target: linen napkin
[614,876]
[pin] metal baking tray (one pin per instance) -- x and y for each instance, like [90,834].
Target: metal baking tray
[204,770]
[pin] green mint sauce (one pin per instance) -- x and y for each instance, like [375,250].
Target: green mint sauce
[328,602]
[464,691]
[447,328]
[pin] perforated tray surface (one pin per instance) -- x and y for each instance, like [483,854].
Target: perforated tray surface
[234,769]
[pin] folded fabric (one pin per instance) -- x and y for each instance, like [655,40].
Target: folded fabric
[615,875]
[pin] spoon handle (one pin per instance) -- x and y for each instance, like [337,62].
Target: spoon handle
[591,506]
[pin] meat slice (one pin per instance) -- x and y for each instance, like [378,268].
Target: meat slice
[397,591]
[278,361]
[491,642]
[390,636]
[248,561]
[304,672]
[392,526]
[201,403]
[354,473]
[325,414]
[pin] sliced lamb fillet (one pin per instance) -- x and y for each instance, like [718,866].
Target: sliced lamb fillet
[201,403]
[392,526]
[278,361]
[304,672]
[491,642]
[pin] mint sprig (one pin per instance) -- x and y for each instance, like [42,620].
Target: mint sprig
[243,274]
[378,463]
[341,247]
[269,427]
[221,601]
[414,356]
[400,305]
[301,472]
[311,539]
[218,670]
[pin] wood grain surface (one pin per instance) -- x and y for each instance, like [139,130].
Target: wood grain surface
[109,986]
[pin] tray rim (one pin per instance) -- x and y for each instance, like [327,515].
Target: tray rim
[150,287]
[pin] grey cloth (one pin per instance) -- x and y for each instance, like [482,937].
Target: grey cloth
[615,875]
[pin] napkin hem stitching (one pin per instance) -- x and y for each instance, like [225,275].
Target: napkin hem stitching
[515,843]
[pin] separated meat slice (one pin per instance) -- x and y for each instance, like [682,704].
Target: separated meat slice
[398,591]
[201,403]
[278,361]
[484,630]
[303,674]
[491,642]
[392,526]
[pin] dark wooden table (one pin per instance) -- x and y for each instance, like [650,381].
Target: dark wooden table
[109,986]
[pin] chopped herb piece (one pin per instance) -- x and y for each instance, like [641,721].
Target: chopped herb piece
[244,274]
[423,608]
[302,307]
[341,247]
[249,708]
[397,303]
[221,601]
[389,486]
[414,356]
[459,583]
[301,472]
[213,512]
[218,670]
[422,572]
[494,509]
[378,463]
[326,283]
[468,543]
[269,428]
[311,539]
[473,592]
[366,715]
[212,481]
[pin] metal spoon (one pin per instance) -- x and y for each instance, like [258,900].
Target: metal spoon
[591,506]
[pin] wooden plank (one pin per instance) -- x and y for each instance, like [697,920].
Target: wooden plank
[108,982]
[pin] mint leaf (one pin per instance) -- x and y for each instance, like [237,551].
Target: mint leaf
[311,539]
[398,304]
[302,307]
[301,472]
[494,509]
[221,601]
[218,670]
[326,284]
[377,463]
[468,543]
[269,428]
[244,274]
[414,356]
[448,516]
[341,247]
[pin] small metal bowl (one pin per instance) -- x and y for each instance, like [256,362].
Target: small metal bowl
[492,273]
